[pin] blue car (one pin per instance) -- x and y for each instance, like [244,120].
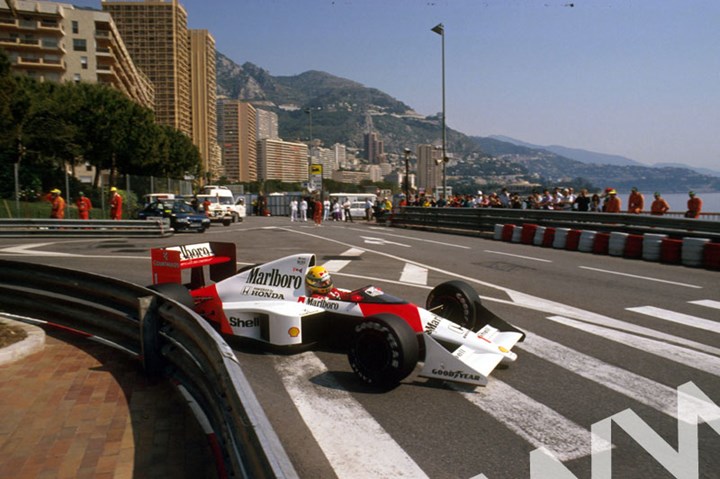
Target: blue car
[182,216]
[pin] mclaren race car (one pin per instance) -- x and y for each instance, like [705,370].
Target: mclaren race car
[455,337]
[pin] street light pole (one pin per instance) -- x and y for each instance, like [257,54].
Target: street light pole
[440,30]
[407,175]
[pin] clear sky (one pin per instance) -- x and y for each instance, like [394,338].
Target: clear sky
[638,78]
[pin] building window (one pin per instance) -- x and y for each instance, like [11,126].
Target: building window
[76,78]
[83,63]
[79,44]
[75,27]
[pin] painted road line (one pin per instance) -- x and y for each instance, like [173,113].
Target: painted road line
[336,419]
[687,357]
[383,231]
[708,303]
[643,390]
[647,278]
[380,241]
[532,420]
[551,307]
[680,318]
[336,265]
[519,256]
[414,274]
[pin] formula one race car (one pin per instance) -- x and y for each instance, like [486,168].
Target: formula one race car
[455,336]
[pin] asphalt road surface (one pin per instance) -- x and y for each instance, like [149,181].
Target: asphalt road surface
[610,341]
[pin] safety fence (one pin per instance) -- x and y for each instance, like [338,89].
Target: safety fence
[170,340]
[691,242]
[83,228]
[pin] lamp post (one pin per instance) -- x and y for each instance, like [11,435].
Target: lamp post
[407,175]
[440,30]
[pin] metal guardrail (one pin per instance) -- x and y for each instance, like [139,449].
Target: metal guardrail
[69,228]
[481,221]
[170,339]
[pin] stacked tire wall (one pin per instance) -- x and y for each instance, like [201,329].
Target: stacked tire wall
[693,252]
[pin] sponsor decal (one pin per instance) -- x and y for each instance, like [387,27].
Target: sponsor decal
[503,349]
[323,303]
[456,375]
[274,278]
[166,264]
[302,261]
[262,293]
[243,323]
[373,291]
[194,251]
[294,332]
[432,325]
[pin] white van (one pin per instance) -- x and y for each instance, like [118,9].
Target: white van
[222,205]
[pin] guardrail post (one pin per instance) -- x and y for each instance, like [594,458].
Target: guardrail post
[153,361]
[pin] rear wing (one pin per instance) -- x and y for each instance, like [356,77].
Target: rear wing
[168,263]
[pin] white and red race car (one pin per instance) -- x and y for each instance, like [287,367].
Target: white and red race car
[454,336]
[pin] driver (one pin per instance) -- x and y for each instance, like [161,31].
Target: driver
[319,285]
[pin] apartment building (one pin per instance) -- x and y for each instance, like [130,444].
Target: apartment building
[267,124]
[237,136]
[282,160]
[203,101]
[428,171]
[59,42]
[156,35]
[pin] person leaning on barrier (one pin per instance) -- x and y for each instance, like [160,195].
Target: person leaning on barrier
[694,206]
[613,205]
[659,206]
[636,201]
[84,206]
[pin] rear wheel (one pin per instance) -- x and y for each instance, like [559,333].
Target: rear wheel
[384,350]
[454,301]
[176,292]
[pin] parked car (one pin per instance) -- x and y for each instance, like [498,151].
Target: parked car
[181,215]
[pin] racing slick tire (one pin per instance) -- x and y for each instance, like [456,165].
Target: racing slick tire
[176,292]
[383,351]
[455,301]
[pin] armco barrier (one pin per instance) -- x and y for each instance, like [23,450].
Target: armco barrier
[38,228]
[170,339]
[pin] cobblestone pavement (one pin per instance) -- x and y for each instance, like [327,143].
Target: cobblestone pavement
[79,409]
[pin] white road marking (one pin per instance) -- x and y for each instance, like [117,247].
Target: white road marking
[547,306]
[382,231]
[25,249]
[336,419]
[643,390]
[647,278]
[531,420]
[680,318]
[380,241]
[519,256]
[414,274]
[335,265]
[708,303]
[687,357]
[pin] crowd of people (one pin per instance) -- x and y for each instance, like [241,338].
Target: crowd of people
[563,199]
[83,204]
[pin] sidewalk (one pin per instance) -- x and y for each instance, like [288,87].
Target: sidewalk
[79,409]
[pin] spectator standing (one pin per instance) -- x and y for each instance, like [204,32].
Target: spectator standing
[694,206]
[57,204]
[293,209]
[84,206]
[582,202]
[368,209]
[614,204]
[636,202]
[326,209]
[504,198]
[346,210]
[659,206]
[303,210]
[206,207]
[595,203]
[116,202]
[318,212]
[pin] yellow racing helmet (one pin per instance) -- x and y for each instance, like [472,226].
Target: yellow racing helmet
[318,280]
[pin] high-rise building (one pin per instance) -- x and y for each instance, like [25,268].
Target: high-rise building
[59,42]
[203,100]
[267,125]
[237,135]
[156,35]
[282,160]
[428,171]
[374,148]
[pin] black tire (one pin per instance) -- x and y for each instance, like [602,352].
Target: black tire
[455,301]
[383,351]
[176,292]
[226,221]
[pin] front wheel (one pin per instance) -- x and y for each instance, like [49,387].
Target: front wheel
[384,350]
[454,301]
